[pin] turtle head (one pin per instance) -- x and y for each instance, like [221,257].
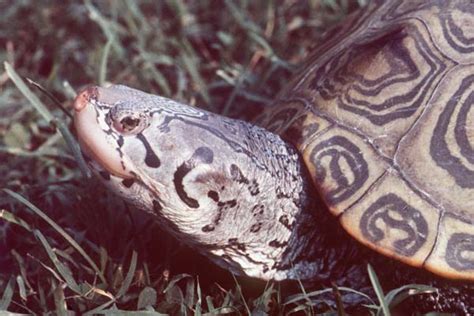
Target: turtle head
[216,183]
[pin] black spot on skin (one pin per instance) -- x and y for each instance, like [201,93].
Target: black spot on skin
[157,206]
[208,228]
[223,206]
[276,244]
[298,203]
[255,227]
[227,204]
[201,155]
[151,159]
[213,195]
[128,182]
[120,141]
[285,221]
[265,268]
[105,175]
[253,188]
[237,174]
[258,209]
[235,242]
[280,194]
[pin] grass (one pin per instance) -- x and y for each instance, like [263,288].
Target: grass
[67,244]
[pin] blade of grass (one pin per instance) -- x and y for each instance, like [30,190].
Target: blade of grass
[22,265]
[62,269]
[103,62]
[338,299]
[21,287]
[59,299]
[129,277]
[99,309]
[189,296]
[34,100]
[396,296]
[49,95]
[61,231]
[175,280]
[147,297]
[239,290]
[114,312]
[12,218]
[199,297]
[108,27]
[48,116]
[378,290]
[7,294]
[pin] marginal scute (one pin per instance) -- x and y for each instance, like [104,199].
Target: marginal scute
[394,219]
[453,255]
[304,129]
[339,160]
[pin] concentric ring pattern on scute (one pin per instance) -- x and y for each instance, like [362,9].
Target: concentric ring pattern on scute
[394,152]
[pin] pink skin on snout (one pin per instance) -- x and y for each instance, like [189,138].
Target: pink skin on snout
[92,138]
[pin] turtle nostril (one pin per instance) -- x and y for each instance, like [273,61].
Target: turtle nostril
[84,97]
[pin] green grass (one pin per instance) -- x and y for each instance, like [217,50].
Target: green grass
[69,245]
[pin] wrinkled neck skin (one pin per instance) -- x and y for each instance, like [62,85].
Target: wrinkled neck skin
[234,191]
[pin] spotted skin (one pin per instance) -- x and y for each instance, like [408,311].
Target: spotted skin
[223,190]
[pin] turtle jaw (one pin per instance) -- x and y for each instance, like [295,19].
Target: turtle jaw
[93,139]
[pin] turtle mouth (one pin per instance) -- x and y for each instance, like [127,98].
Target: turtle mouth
[93,140]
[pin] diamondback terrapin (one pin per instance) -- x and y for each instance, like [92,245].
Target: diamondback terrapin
[379,124]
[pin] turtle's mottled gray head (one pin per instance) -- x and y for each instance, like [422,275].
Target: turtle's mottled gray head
[226,187]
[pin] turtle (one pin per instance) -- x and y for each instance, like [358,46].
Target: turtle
[373,137]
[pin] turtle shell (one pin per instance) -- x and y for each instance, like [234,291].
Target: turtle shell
[383,115]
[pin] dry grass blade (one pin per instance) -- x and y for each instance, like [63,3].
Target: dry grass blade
[129,277]
[61,231]
[396,296]
[62,269]
[49,95]
[338,299]
[12,218]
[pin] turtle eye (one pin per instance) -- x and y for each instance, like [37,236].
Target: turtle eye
[130,124]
